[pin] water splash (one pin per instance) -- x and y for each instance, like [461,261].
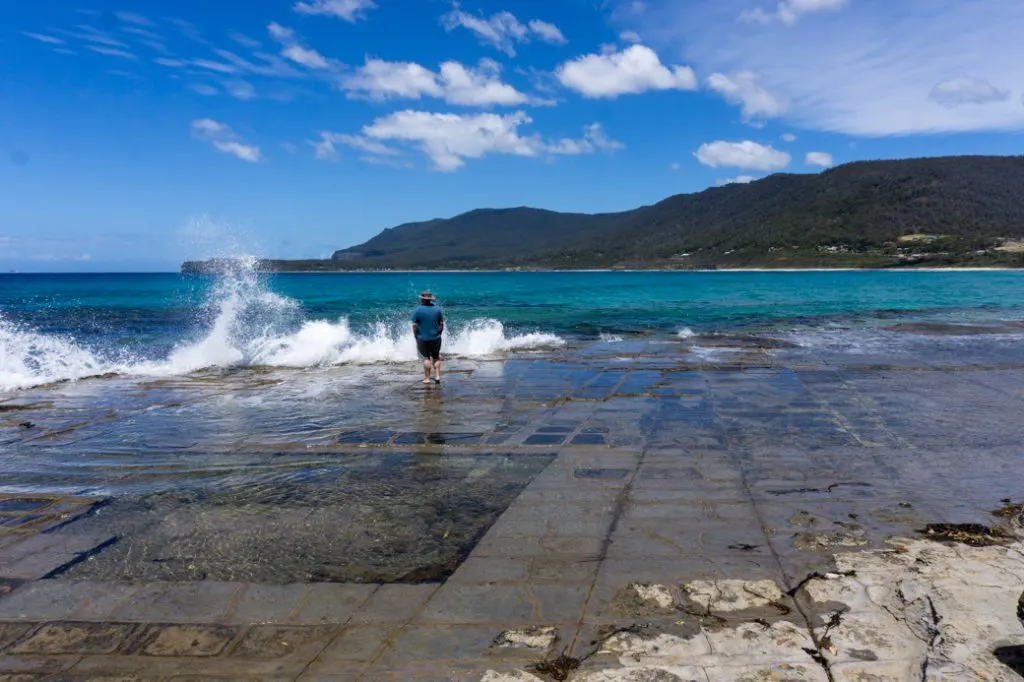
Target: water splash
[28,358]
[247,326]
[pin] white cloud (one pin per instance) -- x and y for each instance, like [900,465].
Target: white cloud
[379,79]
[634,70]
[243,151]
[224,139]
[295,51]
[110,51]
[630,37]
[448,140]
[280,33]
[746,155]
[348,10]
[823,159]
[305,56]
[454,83]
[477,87]
[502,30]
[207,127]
[957,92]
[50,40]
[743,89]
[738,180]
[594,139]
[170,63]
[868,70]
[788,137]
[790,11]
[93,35]
[547,32]
[133,18]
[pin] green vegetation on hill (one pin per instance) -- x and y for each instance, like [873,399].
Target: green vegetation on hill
[939,211]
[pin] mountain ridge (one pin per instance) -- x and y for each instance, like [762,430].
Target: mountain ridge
[964,211]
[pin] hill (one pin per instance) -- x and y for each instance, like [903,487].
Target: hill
[936,211]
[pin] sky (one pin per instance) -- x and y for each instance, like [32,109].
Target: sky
[136,134]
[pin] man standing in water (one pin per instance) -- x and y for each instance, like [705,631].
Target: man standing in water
[427,325]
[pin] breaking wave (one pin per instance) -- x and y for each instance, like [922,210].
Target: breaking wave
[250,326]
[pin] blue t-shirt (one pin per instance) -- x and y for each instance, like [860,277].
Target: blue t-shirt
[429,319]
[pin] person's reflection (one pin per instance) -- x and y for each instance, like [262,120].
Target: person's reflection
[431,418]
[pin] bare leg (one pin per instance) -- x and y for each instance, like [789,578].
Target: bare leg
[437,370]
[426,371]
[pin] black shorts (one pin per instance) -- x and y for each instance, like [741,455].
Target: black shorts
[429,350]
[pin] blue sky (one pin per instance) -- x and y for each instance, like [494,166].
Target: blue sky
[136,135]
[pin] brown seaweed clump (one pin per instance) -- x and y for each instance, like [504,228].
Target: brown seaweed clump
[973,534]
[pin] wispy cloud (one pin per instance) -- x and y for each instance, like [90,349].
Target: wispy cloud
[325,148]
[50,40]
[743,88]
[240,89]
[789,11]
[244,40]
[347,10]
[211,65]
[188,29]
[110,51]
[133,18]
[293,49]
[863,68]
[204,89]
[142,33]
[94,35]
[957,92]
[503,30]
[224,139]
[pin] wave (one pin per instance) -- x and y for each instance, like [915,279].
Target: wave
[28,358]
[250,327]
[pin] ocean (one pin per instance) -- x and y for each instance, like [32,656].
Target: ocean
[71,327]
[274,428]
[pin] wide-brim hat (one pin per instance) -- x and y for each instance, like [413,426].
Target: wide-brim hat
[427,296]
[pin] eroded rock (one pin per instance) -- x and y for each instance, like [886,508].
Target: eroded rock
[541,638]
[728,596]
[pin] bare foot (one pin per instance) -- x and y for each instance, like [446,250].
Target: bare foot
[426,381]
[437,380]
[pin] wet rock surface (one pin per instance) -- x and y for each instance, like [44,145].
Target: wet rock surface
[646,510]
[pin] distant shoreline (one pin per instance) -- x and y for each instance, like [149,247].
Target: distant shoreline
[614,270]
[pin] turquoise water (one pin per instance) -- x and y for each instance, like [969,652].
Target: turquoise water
[67,326]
